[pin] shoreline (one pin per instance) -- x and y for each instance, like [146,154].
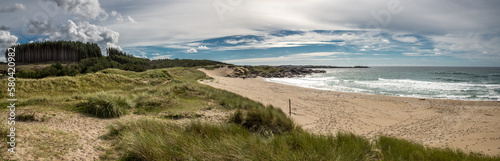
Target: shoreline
[467,125]
[326,89]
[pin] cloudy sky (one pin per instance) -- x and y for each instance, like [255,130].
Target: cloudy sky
[270,32]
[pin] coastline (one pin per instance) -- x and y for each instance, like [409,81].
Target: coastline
[466,125]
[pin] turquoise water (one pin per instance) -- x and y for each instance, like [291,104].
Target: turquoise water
[460,83]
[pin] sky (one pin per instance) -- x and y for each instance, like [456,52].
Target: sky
[269,32]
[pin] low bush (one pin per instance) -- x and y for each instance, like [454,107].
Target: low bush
[26,117]
[105,106]
[176,116]
[266,121]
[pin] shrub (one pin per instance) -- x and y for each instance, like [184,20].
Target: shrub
[266,121]
[105,106]
[26,117]
[176,116]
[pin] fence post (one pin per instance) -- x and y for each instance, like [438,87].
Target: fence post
[290,106]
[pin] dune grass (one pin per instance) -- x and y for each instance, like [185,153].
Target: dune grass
[399,149]
[157,139]
[264,120]
[55,86]
[154,139]
[105,106]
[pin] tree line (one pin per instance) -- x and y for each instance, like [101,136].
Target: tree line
[92,60]
[63,51]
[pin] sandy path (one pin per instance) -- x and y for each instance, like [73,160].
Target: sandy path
[74,136]
[64,136]
[467,125]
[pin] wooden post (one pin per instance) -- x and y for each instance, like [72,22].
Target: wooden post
[290,106]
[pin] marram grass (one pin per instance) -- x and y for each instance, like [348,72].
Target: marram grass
[105,106]
[155,139]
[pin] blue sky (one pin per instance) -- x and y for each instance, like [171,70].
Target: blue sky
[270,32]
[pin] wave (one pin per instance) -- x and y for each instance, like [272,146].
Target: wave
[399,87]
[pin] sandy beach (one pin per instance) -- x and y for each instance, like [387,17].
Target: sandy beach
[467,125]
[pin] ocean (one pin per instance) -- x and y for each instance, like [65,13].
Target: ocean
[458,83]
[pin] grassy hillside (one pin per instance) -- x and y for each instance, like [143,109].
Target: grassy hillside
[170,102]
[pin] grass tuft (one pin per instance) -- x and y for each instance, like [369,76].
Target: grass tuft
[177,116]
[26,117]
[264,120]
[399,149]
[105,106]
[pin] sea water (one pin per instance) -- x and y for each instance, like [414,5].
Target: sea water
[459,83]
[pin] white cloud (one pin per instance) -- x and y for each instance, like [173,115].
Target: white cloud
[294,40]
[161,57]
[420,54]
[155,54]
[40,28]
[163,23]
[234,42]
[191,50]
[117,16]
[304,57]
[131,19]
[470,45]
[85,8]
[403,38]
[6,40]
[142,55]
[202,47]
[16,7]
[86,32]
[90,9]
[412,54]
[316,54]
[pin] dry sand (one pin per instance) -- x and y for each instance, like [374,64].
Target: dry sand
[74,136]
[467,125]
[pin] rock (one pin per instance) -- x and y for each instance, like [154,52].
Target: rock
[282,72]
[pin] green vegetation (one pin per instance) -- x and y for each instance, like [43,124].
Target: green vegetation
[264,120]
[164,96]
[115,60]
[26,117]
[81,58]
[55,51]
[399,149]
[56,69]
[105,106]
[177,116]
[264,70]
[168,63]
[154,139]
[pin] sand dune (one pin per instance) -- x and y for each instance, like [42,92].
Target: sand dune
[467,125]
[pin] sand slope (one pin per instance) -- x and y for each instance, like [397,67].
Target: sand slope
[467,125]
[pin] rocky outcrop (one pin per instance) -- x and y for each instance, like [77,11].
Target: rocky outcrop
[271,72]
